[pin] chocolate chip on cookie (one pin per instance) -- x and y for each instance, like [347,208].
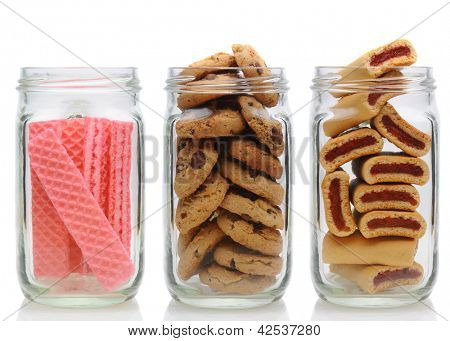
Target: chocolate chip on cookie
[196,208]
[255,156]
[252,181]
[257,237]
[228,281]
[204,242]
[267,129]
[223,121]
[237,257]
[252,208]
[203,67]
[195,161]
[254,66]
[206,89]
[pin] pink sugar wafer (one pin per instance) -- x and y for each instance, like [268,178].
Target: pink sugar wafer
[51,255]
[126,168]
[79,211]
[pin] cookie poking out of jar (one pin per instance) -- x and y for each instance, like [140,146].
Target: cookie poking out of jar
[378,278]
[211,87]
[399,132]
[205,66]
[403,197]
[392,223]
[395,168]
[342,149]
[335,192]
[378,61]
[253,66]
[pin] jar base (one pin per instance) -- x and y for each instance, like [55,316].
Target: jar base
[227,301]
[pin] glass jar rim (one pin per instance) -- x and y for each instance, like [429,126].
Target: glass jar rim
[99,79]
[398,79]
[275,82]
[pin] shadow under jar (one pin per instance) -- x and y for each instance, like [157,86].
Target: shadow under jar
[228,187]
[79,185]
[375,182]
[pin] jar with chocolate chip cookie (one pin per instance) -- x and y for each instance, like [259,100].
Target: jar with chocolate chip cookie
[228,181]
[375,180]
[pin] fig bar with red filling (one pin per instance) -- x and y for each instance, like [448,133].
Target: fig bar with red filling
[378,61]
[406,137]
[402,197]
[350,146]
[392,223]
[356,249]
[335,192]
[377,278]
[395,168]
[354,109]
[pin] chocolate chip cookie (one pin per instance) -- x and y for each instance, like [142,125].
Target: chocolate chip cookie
[253,66]
[196,208]
[237,257]
[255,156]
[203,243]
[252,208]
[267,129]
[212,121]
[228,281]
[195,161]
[252,181]
[257,237]
[205,66]
[206,89]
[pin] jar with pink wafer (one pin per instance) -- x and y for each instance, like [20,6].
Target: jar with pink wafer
[79,185]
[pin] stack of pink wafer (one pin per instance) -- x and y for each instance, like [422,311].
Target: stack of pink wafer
[80,171]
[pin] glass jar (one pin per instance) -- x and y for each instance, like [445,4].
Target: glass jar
[375,187]
[79,185]
[228,187]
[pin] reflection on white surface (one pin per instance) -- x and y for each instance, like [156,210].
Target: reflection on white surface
[324,311]
[177,311]
[127,311]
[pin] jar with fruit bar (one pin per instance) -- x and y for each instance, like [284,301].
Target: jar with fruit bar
[375,182]
[228,183]
[79,185]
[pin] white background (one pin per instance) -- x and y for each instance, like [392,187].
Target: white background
[153,35]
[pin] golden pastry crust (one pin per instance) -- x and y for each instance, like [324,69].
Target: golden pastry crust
[373,65]
[336,199]
[377,278]
[354,109]
[402,197]
[395,168]
[342,149]
[355,249]
[392,223]
[399,132]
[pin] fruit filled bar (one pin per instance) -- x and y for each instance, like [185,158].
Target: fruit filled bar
[373,162]
[80,199]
